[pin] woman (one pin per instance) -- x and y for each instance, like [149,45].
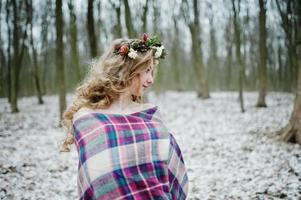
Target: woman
[125,150]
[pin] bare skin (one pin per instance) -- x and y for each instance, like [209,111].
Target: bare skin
[125,105]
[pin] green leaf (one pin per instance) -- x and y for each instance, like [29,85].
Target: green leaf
[153,41]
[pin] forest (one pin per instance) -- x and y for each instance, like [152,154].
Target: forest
[46,46]
[243,50]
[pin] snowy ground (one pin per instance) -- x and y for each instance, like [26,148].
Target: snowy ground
[229,155]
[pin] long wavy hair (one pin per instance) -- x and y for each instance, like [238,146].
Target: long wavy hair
[106,80]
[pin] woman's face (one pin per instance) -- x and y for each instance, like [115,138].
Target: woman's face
[143,81]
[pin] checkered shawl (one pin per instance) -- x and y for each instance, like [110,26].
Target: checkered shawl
[128,156]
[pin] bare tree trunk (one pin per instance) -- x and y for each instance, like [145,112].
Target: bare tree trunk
[263,55]
[2,57]
[18,49]
[198,63]
[280,68]
[144,17]
[128,20]
[34,55]
[155,24]
[229,58]
[59,23]
[117,30]
[156,16]
[101,31]
[292,132]
[91,30]
[16,38]
[238,53]
[287,23]
[44,37]
[197,49]
[213,65]
[9,59]
[118,16]
[195,31]
[73,41]
[176,47]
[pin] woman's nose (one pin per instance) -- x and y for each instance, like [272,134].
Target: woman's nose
[150,80]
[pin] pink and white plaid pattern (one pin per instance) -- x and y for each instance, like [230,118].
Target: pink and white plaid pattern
[128,156]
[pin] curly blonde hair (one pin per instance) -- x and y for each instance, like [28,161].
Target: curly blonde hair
[109,77]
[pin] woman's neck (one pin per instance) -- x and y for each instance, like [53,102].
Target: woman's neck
[123,103]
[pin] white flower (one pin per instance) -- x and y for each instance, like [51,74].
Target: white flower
[132,54]
[159,51]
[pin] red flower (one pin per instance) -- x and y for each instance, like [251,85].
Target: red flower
[123,50]
[145,37]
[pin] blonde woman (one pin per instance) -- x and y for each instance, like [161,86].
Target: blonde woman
[125,150]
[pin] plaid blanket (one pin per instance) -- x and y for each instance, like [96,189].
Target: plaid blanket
[128,156]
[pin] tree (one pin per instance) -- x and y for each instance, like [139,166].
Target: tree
[237,31]
[19,37]
[213,64]
[281,77]
[73,41]
[229,57]
[292,131]
[175,53]
[196,48]
[156,17]
[288,24]
[45,22]
[128,20]
[263,55]
[144,17]
[34,54]
[117,27]
[59,23]
[2,57]
[9,55]
[91,30]
[101,30]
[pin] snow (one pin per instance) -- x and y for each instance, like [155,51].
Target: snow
[229,154]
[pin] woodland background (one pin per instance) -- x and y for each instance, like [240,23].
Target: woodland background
[229,89]
[45,46]
[231,45]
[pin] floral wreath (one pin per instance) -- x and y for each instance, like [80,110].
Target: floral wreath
[132,48]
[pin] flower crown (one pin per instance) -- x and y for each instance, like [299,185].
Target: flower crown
[132,48]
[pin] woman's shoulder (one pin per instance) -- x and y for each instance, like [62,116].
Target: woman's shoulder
[82,111]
